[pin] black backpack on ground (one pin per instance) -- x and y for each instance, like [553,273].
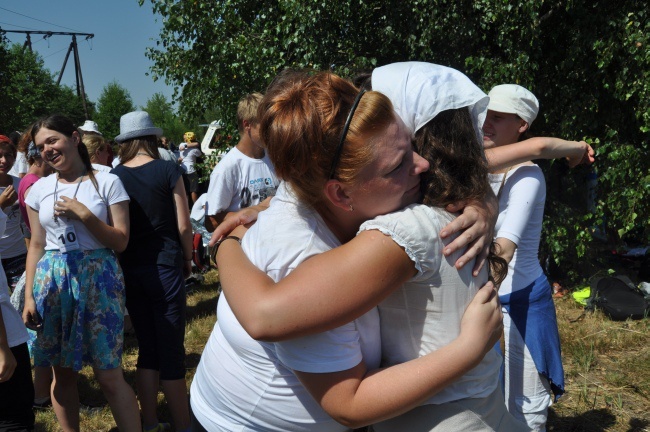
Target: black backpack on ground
[618,298]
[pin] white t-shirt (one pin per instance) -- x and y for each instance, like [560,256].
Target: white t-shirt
[198,209]
[189,157]
[167,155]
[12,242]
[16,331]
[20,165]
[239,181]
[521,213]
[41,199]
[116,161]
[241,384]
[424,314]
[100,167]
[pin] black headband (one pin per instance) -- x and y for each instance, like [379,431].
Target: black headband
[337,155]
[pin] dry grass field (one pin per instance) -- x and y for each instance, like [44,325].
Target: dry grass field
[607,367]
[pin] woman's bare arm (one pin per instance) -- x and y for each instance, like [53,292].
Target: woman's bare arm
[184,225]
[324,292]
[477,220]
[576,152]
[34,254]
[358,397]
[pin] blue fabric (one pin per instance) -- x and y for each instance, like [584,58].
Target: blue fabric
[80,298]
[533,312]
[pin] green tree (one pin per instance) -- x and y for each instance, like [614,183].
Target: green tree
[30,91]
[588,62]
[113,103]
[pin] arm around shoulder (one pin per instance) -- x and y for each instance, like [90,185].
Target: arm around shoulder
[367,270]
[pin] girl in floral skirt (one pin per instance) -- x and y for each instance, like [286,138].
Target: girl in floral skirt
[74,294]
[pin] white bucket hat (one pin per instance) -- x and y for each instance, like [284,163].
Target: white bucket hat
[514,99]
[136,124]
[420,91]
[90,126]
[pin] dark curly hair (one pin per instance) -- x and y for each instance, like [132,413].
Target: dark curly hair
[458,169]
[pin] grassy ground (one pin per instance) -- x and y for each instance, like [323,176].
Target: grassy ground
[607,367]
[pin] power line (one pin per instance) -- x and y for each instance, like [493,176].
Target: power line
[50,55]
[15,25]
[36,19]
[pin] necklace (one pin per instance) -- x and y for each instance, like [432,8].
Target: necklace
[56,187]
[142,154]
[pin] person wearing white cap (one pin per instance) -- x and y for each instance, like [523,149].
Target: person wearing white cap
[533,370]
[90,127]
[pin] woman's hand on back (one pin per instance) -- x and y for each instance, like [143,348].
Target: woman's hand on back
[482,323]
[476,227]
[245,217]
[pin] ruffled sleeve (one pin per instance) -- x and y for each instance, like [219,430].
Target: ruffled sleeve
[415,228]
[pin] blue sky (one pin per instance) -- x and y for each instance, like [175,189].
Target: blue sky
[123,30]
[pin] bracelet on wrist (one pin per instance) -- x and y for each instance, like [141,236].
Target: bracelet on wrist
[213,253]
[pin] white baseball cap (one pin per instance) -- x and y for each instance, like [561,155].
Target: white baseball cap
[90,126]
[514,99]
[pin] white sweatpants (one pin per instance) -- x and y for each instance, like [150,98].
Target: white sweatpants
[527,393]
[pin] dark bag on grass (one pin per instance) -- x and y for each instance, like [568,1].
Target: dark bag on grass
[618,298]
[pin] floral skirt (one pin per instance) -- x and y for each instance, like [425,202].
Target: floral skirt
[80,297]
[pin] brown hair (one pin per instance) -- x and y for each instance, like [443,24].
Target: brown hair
[247,109]
[525,134]
[458,169]
[25,139]
[130,148]
[93,143]
[301,120]
[64,125]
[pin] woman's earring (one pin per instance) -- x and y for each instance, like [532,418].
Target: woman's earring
[351,208]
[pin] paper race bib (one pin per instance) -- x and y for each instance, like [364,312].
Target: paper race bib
[66,238]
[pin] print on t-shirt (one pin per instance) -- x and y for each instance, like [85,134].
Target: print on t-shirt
[257,191]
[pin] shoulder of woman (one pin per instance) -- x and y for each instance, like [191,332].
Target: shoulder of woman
[416,223]
[104,175]
[526,169]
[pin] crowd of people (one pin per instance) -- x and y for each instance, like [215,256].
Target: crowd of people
[371,288]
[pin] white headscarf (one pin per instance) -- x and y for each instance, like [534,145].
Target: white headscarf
[420,91]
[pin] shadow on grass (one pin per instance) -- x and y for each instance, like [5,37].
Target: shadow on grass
[201,309]
[638,425]
[598,420]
